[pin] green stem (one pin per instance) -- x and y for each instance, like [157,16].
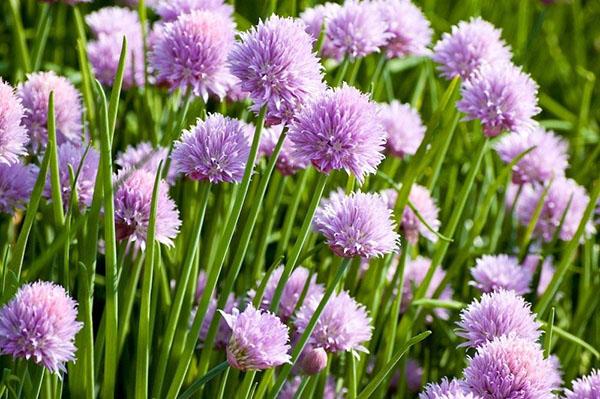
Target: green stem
[215,271]
[341,73]
[203,380]
[41,33]
[300,241]
[57,203]
[20,36]
[290,216]
[182,284]
[285,370]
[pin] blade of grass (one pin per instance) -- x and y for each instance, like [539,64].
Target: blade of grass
[19,33]
[55,185]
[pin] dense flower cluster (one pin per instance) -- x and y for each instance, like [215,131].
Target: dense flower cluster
[16,184]
[13,136]
[496,272]
[404,128]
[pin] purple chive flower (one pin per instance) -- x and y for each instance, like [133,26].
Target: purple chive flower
[414,274]
[223,331]
[531,262]
[355,30]
[410,32]
[587,387]
[109,25]
[72,155]
[444,388]
[291,292]
[414,375]
[313,360]
[287,162]
[259,340]
[469,46]
[340,130]
[69,2]
[133,198]
[34,94]
[16,185]
[563,195]
[359,224]
[276,65]
[502,97]
[496,272]
[215,149]
[13,136]
[458,395]
[411,226]
[511,368]
[547,160]
[190,53]
[317,18]
[144,156]
[344,324]
[494,315]
[40,323]
[169,10]
[404,128]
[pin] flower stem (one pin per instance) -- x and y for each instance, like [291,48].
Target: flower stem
[290,216]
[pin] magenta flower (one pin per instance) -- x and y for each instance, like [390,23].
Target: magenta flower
[443,389]
[409,31]
[109,25]
[344,324]
[317,18]
[547,160]
[133,198]
[16,185]
[405,130]
[276,65]
[169,10]
[469,46]
[259,340]
[511,368]
[215,149]
[414,274]
[291,292]
[355,30]
[359,224]
[497,314]
[339,130]
[190,53]
[496,272]
[502,97]
[564,195]
[40,323]
[70,155]
[13,136]
[587,387]
[287,162]
[34,94]
[144,156]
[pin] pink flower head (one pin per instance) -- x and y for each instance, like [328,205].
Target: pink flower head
[496,272]
[409,31]
[405,130]
[13,136]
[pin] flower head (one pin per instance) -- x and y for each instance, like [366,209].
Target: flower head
[511,368]
[403,126]
[223,331]
[69,2]
[587,387]
[359,224]
[316,18]
[113,20]
[287,162]
[547,160]
[169,10]
[344,324]
[313,360]
[292,290]
[133,200]
[144,156]
[496,272]
[276,65]
[259,340]
[502,97]
[40,323]
[340,130]
[497,314]
[13,136]
[408,29]
[355,30]
[414,274]
[215,149]
[190,53]
[16,184]
[444,388]
[72,156]
[34,94]
[564,197]
[469,46]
